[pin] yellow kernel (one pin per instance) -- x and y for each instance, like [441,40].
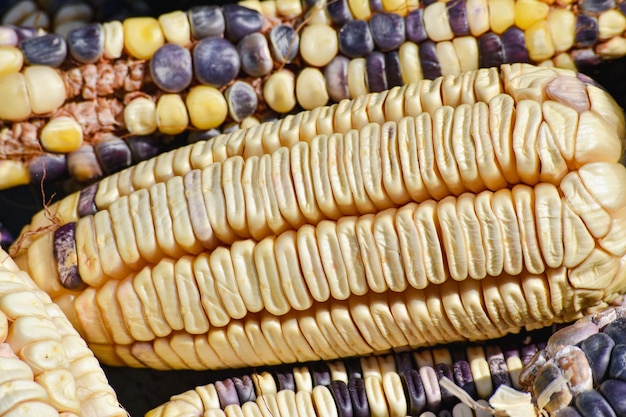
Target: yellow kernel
[113,39]
[565,61]
[611,23]
[614,48]
[13,173]
[251,4]
[410,63]
[140,116]
[436,22]
[527,12]
[501,15]
[62,135]
[15,105]
[395,6]
[142,36]
[562,27]
[311,89]
[171,114]
[11,60]
[206,106]
[360,9]
[477,16]
[176,28]
[318,44]
[279,91]
[539,42]
[46,88]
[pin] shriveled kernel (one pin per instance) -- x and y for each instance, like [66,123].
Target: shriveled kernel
[279,91]
[206,106]
[62,134]
[311,89]
[11,60]
[140,116]
[171,114]
[46,89]
[142,36]
[318,44]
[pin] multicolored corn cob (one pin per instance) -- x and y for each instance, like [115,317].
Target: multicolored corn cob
[145,75]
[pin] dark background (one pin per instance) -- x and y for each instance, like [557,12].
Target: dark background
[140,390]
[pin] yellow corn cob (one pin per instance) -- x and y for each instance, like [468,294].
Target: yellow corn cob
[47,368]
[463,222]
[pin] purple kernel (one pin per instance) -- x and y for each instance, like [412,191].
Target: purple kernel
[457,16]
[414,24]
[87,200]
[429,60]
[375,72]
[387,30]
[49,50]
[171,68]
[241,21]
[206,21]
[491,50]
[65,256]
[355,39]
[216,61]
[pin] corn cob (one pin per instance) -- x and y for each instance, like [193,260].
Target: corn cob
[326,67]
[47,368]
[348,263]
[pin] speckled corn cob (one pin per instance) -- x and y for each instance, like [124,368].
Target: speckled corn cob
[331,57]
[321,250]
[46,368]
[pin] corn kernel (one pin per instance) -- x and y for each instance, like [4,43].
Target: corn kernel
[360,9]
[171,114]
[501,15]
[611,23]
[539,42]
[62,134]
[289,8]
[477,16]
[268,8]
[46,89]
[176,28]
[466,48]
[410,63]
[279,91]
[395,6]
[13,173]
[528,12]
[614,48]
[113,39]
[140,116]
[357,84]
[448,59]
[206,106]
[15,105]
[311,89]
[318,44]
[562,27]
[142,36]
[252,4]
[11,60]
[436,22]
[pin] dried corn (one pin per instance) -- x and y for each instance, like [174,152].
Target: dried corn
[47,368]
[214,46]
[347,262]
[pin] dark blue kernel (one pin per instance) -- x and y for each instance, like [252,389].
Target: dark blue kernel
[284,43]
[353,368]
[596,6]
[414,24]
[598,349]
[447,398]
[113,154]
[86,43]
[245,388]
[429,60]
[376,6]
[206,21]
[387,30]
[320,374]
[585,57]
[355,39]
[226,393]
[375,77]
[617,365]
[490,50]
[144,147]
[614,391]
[463,377]
[49,50]
[336,73]
[47,167]
[341,395]
[87,200]
[586,30]
[171,68]
[592,404]
[254,54]
[215,61]
[358,397]
[286,380]
[393,69]
[339,12]
[241,21]
[514,44]
[404,362]
[64,251]
[497,367]
[414,392]
[616,330]
[457,17]
[24,32]
[242,100]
